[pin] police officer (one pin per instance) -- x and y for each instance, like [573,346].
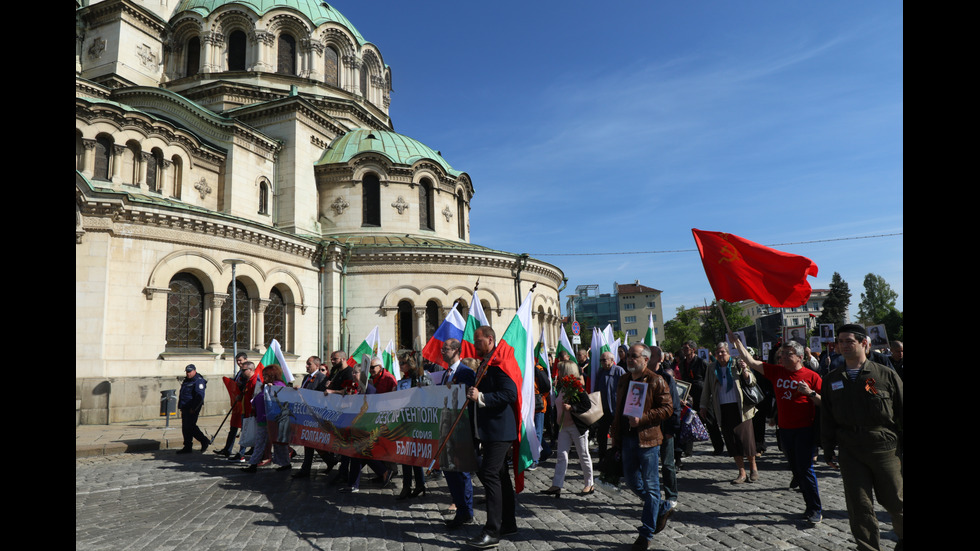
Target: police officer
[190,403]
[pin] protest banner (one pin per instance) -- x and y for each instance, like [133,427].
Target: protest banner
[401,427]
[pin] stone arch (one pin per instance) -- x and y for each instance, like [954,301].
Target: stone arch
[288,283]
[204,267]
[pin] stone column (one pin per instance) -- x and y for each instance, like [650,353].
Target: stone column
[258,306]
[420,325]
[214,332]
[88,158]
[117,153]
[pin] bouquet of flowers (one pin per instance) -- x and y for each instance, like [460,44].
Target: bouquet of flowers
[571,389]
[350,387]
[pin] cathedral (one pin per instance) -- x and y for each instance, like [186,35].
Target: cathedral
[253,137]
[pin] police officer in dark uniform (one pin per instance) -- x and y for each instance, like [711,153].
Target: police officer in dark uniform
[190,403]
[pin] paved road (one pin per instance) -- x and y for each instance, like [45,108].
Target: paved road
[158,500]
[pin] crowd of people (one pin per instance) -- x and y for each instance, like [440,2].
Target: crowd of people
[847,401]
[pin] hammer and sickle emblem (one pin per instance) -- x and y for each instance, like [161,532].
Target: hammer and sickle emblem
[729,253]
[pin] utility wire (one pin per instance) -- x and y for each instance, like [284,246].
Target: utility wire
[695,250]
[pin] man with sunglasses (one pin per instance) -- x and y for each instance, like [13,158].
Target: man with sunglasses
[861,415]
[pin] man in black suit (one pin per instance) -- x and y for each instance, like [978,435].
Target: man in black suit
[495,396]
[314,380]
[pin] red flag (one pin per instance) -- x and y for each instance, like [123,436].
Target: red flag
[739,269]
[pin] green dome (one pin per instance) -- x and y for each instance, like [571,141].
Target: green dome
[400,149]
[317,12]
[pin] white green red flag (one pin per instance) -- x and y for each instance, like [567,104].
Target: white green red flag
[514,355]
[390,359]
[273,355]
[563,344]
[541,352]
[598,346]
[650,339]
[368,346]
[474,320]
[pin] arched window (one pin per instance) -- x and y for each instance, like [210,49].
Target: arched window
[185,312]
[364,80]
[236,51]
[431,318]
[404,324]
[178,174]
[275,319]
[371,198]
[331,66]
[193,57]
[154,171]
[460,215]
[464,309]
[244,309]
[426,205]
[131,163]
[103,157]
[263,198]
[287,55]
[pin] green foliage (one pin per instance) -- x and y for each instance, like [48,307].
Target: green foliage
[894,325]
[685,326]
[837,302]
[713,331]
[877,300]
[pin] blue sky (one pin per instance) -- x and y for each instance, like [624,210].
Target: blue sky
[618,127]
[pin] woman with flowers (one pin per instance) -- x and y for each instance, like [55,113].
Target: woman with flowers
[571,399]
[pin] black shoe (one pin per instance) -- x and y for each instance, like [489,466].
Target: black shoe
[285,467]
[458,521]
[204,446]
[662,521]
[302,473]
[483,541]
[184,450]
[250,469]
[405,493]
[641,544]
[225,453]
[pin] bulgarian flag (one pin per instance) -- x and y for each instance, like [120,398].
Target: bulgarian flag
[598,346]
[515,356]
[273,355]
[368,346]
[475,320]
[541,352]
[650,339]
[563,344]
[390,358]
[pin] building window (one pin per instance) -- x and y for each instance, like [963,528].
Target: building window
[193,60]
[287,55]
[371,198]
[652,304]
[461,217]
[364,80]
[275,319]
[632,332]
[629,306]
[177,169]
[431,318]
[244,309]
[426,205]
[103,157]
[630,319]
[403,325]
[654,317]
[154,171]
[236,51]
[263,198]
[185,312]
[331,66]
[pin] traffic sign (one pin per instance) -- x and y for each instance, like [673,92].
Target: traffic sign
[576,328]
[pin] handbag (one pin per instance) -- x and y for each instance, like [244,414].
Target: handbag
[692,429]
[594,413]
[249,426]
[752,395]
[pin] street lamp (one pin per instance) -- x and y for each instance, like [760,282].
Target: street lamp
[234,310]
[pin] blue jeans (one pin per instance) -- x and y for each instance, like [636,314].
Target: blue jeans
[797,445]
[539,430]
[641,468]
[669,469]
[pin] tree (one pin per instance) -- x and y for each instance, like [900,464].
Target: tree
[713,331]
[877,300]
[686,326]
[837,302]
[894,325]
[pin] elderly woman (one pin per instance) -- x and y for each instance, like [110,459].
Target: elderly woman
[572,430]
[722,396]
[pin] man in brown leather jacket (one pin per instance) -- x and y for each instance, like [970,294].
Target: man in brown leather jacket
[639,438]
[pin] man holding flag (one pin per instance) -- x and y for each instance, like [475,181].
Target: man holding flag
[495,397]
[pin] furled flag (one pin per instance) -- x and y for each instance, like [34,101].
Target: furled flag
[650,339]
[563,344]
[740,269]
[273,355]
[368,346]
[451,328]
[390,358]
[475,320]
[612,343]
[541,352]
[598,346]
[514,355]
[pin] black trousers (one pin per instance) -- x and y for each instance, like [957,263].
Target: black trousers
[498,487]
[189,428]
